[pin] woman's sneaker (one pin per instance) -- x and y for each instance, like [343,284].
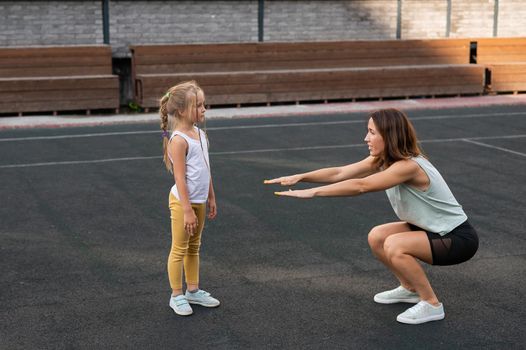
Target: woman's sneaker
[397,295]
[180,305]
[201,298]
[421,313]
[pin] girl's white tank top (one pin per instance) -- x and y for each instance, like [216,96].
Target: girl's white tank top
[197,168]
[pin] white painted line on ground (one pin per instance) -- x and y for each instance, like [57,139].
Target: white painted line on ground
[277,125]
[76,162]
[494,147]
[471,139]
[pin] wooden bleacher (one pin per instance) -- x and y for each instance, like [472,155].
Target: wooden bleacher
[57,78]
[305,71]
[505,58]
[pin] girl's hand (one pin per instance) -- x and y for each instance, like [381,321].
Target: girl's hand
[212,208]
[284,180]
[297,193]
[190,222]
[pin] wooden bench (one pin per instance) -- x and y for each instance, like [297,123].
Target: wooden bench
[57,78]
[505,59]
[302,71]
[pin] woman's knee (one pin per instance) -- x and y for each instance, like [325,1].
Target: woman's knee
[376,238]
[392,248]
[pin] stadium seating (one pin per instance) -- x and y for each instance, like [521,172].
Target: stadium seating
[505,59]
[247,73]
[57,78]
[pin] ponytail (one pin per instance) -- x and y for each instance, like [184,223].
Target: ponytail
[170,107]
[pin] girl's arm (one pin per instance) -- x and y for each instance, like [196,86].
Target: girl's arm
[399,172]
[212,207]
[359,169]
[177,150]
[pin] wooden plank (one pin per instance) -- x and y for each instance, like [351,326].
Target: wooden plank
[57,95]
[60,60]
[287,75]
[501,59]
[169,58]
[54,71]
[502,50]
[500,41]
[229,47]
[331,94]
[508,68]
[321,83]
[66,105]
[28,61]
[204,56]
[508,86]
[420,87]
[329,62]
[276,65]
[495,50]
[55,51]
[54,83]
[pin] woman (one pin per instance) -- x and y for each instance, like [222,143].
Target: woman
[433,227]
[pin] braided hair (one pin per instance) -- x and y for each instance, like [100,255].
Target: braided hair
[172,105]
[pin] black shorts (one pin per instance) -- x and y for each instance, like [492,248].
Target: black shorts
[453,248]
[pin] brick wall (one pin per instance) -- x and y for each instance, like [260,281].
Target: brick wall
[50,23]
[163,21]
[472,18]
[330,20]
[158,22]
[423,19]
[512,18]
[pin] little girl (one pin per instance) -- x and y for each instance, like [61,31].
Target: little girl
[185,154]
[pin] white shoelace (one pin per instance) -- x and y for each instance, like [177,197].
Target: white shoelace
[417,309]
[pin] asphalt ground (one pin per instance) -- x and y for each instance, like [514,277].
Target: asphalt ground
[84,238]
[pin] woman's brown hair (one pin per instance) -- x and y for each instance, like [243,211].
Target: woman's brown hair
[398,134]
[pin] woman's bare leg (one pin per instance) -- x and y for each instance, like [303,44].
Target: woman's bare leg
[402,251]
[376,240]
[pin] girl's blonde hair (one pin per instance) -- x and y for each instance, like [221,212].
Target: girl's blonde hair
[179,99]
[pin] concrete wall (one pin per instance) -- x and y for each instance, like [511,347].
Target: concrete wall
[80,22]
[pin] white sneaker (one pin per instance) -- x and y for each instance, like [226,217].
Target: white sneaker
[397,295]
[201,298]
[180,305]
[421,313]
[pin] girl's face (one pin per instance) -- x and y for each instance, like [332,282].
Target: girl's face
[195,114]
[374,140]
[200,111]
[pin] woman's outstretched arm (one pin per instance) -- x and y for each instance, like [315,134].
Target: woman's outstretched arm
[359,169]
[399,172]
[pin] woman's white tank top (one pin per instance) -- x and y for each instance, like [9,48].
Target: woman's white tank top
[435,210]
[197,168]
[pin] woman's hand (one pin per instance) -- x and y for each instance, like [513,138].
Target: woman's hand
[212,208]
[309,193]
[190,222]
[284,180]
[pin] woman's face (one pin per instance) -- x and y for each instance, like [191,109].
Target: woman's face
[374,140]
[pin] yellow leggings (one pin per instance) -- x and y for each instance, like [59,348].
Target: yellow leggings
[185,248]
